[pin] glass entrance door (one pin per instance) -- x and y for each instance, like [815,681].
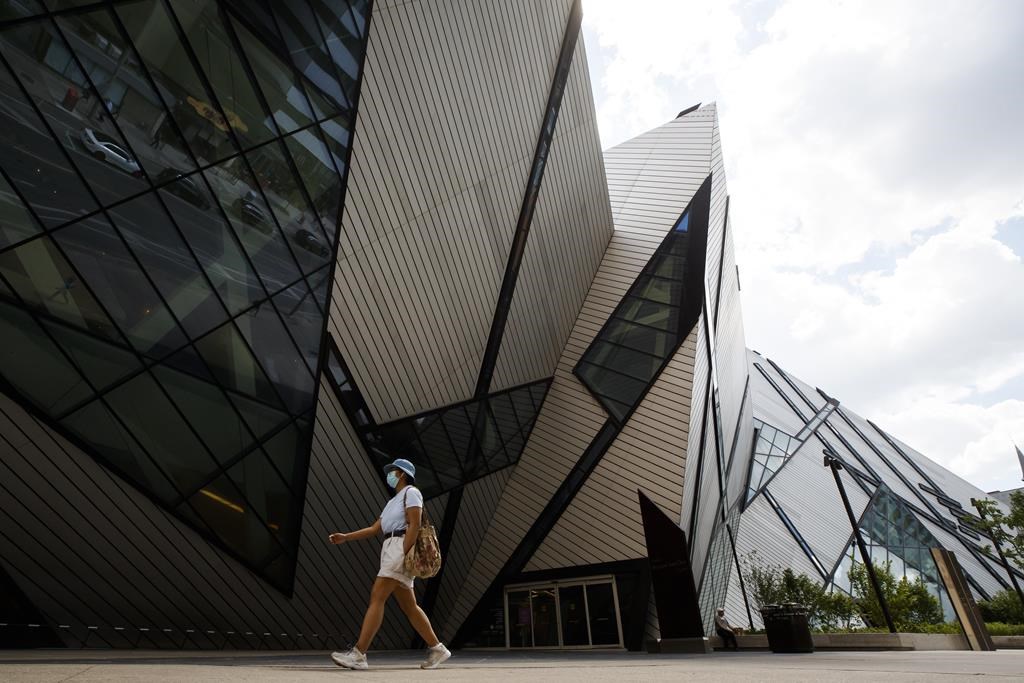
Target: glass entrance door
[580,613]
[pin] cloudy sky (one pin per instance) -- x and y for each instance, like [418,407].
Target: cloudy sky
[875,157]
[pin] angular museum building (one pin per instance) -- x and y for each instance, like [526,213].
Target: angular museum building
[252,251]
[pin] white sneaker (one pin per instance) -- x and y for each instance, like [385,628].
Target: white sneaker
[436,656]
[353,659]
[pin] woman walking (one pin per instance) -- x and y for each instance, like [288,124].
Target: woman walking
[400,523]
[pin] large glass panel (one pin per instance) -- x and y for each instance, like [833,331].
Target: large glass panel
[44,280]
[267,494]
[303,319]
[270,342]
[208,411]
[220,505]
[283,449]
[318,173]
[646,327]
[604,624]
[96,426]
[35,366]
[32,159]
[136,108]
[574,616]
[154,36]
[153,420]
[167,260]
[101,362]
[301,34]
[102,259]
[16,223]
[456,444]
[279,84]
[53,79]
[238,194]
[213,242]
[230,359]
[292,212]
[545,617]
[520,619]
[642,366]
[144,258]
[344,29]
[201,22]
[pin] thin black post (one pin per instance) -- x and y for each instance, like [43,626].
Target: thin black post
[1002,557]
[835,465]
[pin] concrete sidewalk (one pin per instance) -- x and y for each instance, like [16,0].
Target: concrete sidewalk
[85,666]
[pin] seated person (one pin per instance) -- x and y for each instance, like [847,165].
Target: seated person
[725,630]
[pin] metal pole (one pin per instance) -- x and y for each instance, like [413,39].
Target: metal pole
[1002,557]
[835,465]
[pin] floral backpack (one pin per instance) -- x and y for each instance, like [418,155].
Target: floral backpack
[424,558]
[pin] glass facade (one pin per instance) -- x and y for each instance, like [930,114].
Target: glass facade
[170,197]
[771,449]
[570,614]
[458,443]
[647,326]
[895,536]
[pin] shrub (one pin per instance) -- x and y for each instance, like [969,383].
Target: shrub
[770,584]
[996,628]
[910,603]
[1004,607]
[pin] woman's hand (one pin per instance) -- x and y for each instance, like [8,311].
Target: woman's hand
[337,538]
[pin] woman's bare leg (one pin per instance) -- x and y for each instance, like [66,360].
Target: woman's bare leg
[406,598]
[382,589]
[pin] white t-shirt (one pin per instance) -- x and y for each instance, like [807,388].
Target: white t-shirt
[393,517]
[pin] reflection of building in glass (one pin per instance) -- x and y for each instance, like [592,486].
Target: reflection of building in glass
[223,310]
[166,272]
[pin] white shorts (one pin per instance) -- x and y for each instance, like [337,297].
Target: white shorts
[392,561]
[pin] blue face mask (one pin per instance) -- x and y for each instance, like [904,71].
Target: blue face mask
[392,479]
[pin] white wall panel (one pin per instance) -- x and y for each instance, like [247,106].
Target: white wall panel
[570,230]
[444,142]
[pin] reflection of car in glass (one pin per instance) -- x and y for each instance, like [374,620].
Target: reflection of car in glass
[311,243]
[184,186]
[105,148]
[248,207]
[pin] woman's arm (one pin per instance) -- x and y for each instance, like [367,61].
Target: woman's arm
[337,538]
[412,520]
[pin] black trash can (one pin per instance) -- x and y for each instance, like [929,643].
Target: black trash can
[787,628]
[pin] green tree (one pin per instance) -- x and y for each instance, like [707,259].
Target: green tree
[770,584]
[910,603]
[1005,529]
[1004,607]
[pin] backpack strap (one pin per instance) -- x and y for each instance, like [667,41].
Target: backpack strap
[425,517]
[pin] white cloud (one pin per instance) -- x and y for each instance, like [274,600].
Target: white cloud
[873,150]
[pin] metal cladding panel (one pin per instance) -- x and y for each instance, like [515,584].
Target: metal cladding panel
[732,351]
[763,535]
[645,167]
[479,500]
[568,421]
[707,505]
[698,421]
[946,482]
[971,565]
[448,122]
[736,607]
[807,493]
[570,231]
[647,455]
[769,407]
[887,465]
[89,550]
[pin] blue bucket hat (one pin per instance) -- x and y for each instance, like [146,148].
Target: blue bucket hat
[404,465]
